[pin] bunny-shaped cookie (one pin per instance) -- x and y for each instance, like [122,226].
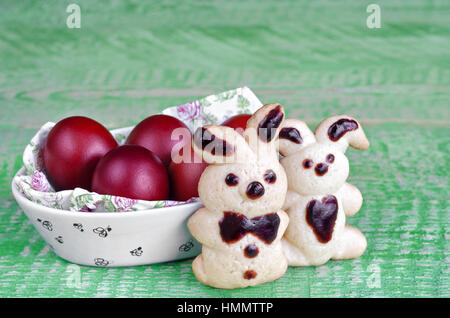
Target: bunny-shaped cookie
[243,190]
[318,197]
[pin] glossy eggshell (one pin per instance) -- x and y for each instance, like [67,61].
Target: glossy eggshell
[72,150]
[133,172]
[155,134]
[184,177]
[238,122]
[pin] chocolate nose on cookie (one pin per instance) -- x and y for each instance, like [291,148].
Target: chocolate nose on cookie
[321,169]
[255,190]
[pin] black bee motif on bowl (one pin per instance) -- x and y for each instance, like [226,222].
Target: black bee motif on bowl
[101,262]
[137,251]
[102,232]
[59,239]
[186,246]
[46,224]
[78,226]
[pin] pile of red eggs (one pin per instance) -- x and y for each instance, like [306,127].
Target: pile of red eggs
[80,152]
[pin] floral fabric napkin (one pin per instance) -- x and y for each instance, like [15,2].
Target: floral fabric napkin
[33,183]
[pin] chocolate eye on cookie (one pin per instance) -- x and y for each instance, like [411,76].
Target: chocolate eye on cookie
[231,179]
[270,176]
[307,163]
[330,158]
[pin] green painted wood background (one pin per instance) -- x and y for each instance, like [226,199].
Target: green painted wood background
[132,59]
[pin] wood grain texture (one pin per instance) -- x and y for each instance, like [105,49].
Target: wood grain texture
[132,59]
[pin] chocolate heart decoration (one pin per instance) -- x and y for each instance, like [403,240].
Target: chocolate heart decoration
[321,216]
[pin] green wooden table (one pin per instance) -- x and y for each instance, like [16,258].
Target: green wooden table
[129,60]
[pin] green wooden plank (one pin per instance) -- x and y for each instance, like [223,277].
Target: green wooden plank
[148,57]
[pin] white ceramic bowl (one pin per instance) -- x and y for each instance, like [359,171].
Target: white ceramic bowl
[114,239]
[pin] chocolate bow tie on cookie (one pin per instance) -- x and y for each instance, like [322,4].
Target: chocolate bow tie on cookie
[234,226]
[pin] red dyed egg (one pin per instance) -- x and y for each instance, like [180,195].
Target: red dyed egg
[184,176]
[133,172]
[155,134]
[72,150]
[238,122]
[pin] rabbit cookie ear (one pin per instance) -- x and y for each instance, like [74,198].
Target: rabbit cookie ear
[267,122]
[342,131]
[262,130]
[220,144]
[294,136]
